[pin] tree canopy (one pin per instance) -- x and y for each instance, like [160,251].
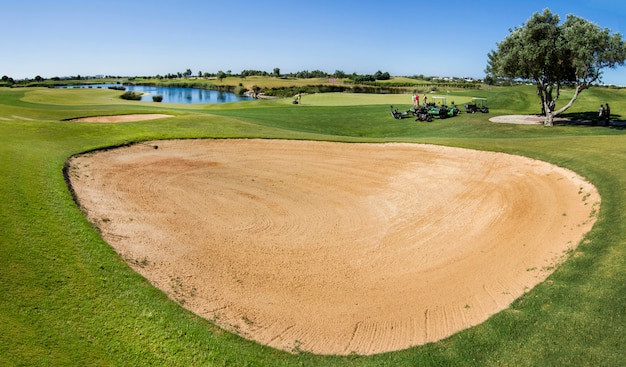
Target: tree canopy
[553,54]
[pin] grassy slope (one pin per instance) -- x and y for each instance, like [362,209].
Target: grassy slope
[68,299]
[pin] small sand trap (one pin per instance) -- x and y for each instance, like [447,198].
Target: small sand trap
[524,119]
[335,248]
[122,118]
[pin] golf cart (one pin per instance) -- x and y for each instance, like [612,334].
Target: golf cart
[423,114]
[401,114]
[442,110]
[478,105]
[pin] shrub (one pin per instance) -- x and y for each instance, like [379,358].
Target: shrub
[133,96]
[157,98]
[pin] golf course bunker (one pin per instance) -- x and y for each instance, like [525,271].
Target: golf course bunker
[335,248]
[122,118]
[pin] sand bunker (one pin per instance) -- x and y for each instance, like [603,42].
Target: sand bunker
[335,248]
[122,118]
[525,119]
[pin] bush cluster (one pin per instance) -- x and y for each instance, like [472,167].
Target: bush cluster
[133,96]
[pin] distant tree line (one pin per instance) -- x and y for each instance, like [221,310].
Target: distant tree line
[379,82]
[303,74]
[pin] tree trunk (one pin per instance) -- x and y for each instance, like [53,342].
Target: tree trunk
[549,121]
[551,114]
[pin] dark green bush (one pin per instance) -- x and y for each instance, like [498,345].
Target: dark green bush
[133,96]
[157,98]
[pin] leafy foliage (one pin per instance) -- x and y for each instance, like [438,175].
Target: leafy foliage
[553,54]
[379,75]
[133,96]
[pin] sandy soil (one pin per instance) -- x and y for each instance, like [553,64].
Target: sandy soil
[335,248]
[525,119]
[122,118]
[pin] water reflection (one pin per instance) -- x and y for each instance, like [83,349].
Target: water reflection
[178,95]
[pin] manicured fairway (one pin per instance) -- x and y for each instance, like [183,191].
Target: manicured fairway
[69,299]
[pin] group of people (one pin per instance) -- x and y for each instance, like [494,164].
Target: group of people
[415,100]
[604,113]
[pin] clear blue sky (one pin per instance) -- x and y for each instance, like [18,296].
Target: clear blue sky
[150,37]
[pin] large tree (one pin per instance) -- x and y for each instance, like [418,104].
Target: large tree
[553,54]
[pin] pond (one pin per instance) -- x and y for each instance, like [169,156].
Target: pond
[176,94]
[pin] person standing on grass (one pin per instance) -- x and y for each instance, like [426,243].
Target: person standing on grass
[607,113]
[601,114]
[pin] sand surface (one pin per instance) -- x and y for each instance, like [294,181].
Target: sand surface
[525,119]
[122,118]
[335,248]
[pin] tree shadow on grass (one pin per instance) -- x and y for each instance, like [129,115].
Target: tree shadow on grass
[591,119]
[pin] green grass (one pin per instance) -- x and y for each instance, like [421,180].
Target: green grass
[67,299]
